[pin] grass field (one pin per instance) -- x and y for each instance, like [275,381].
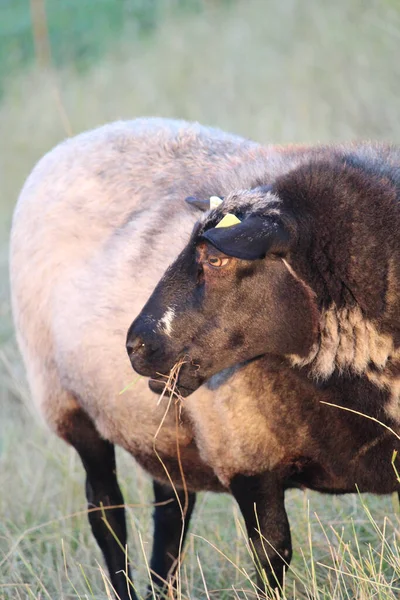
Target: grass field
[278,71]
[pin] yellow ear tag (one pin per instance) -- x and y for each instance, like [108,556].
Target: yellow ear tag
[228,220]
[215,202]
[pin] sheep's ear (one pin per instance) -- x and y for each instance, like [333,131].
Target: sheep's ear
[250,239]
[204,204]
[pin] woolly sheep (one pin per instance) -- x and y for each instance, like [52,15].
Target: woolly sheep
[98,221]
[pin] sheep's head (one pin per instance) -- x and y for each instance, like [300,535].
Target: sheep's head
[229,297]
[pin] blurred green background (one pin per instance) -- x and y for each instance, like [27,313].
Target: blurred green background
[279,71]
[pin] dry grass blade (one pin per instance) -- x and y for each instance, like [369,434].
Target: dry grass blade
[172,381]
[173,392]
[357,412]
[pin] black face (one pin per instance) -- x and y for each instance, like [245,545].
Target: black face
[214,310]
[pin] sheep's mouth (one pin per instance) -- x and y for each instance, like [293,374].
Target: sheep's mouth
[158,387]
[182,380]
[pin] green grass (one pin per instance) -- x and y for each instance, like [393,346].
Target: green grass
[279,71]
[79,31]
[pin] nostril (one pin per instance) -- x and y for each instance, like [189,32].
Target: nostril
[133,346]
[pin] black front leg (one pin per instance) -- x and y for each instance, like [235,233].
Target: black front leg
[171,522]
[102,492]
[261,501]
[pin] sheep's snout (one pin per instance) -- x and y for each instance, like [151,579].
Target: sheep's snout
[135,345]
[153,354]
[146,349]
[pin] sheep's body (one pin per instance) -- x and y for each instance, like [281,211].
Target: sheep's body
[97,223]
[267,417]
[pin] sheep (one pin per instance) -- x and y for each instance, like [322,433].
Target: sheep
[287,293]
[97,222]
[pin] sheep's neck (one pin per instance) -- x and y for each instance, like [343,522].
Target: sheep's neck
[350,342]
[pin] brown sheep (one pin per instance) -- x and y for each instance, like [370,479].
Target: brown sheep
[98,221]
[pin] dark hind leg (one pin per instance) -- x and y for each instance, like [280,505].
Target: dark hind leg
[171,522]
[102,490]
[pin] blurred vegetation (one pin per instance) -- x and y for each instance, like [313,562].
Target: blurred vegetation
[79,32]
[279,71]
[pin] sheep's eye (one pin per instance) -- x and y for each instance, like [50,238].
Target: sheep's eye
[216,261]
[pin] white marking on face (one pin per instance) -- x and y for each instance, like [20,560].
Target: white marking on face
[165,323]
